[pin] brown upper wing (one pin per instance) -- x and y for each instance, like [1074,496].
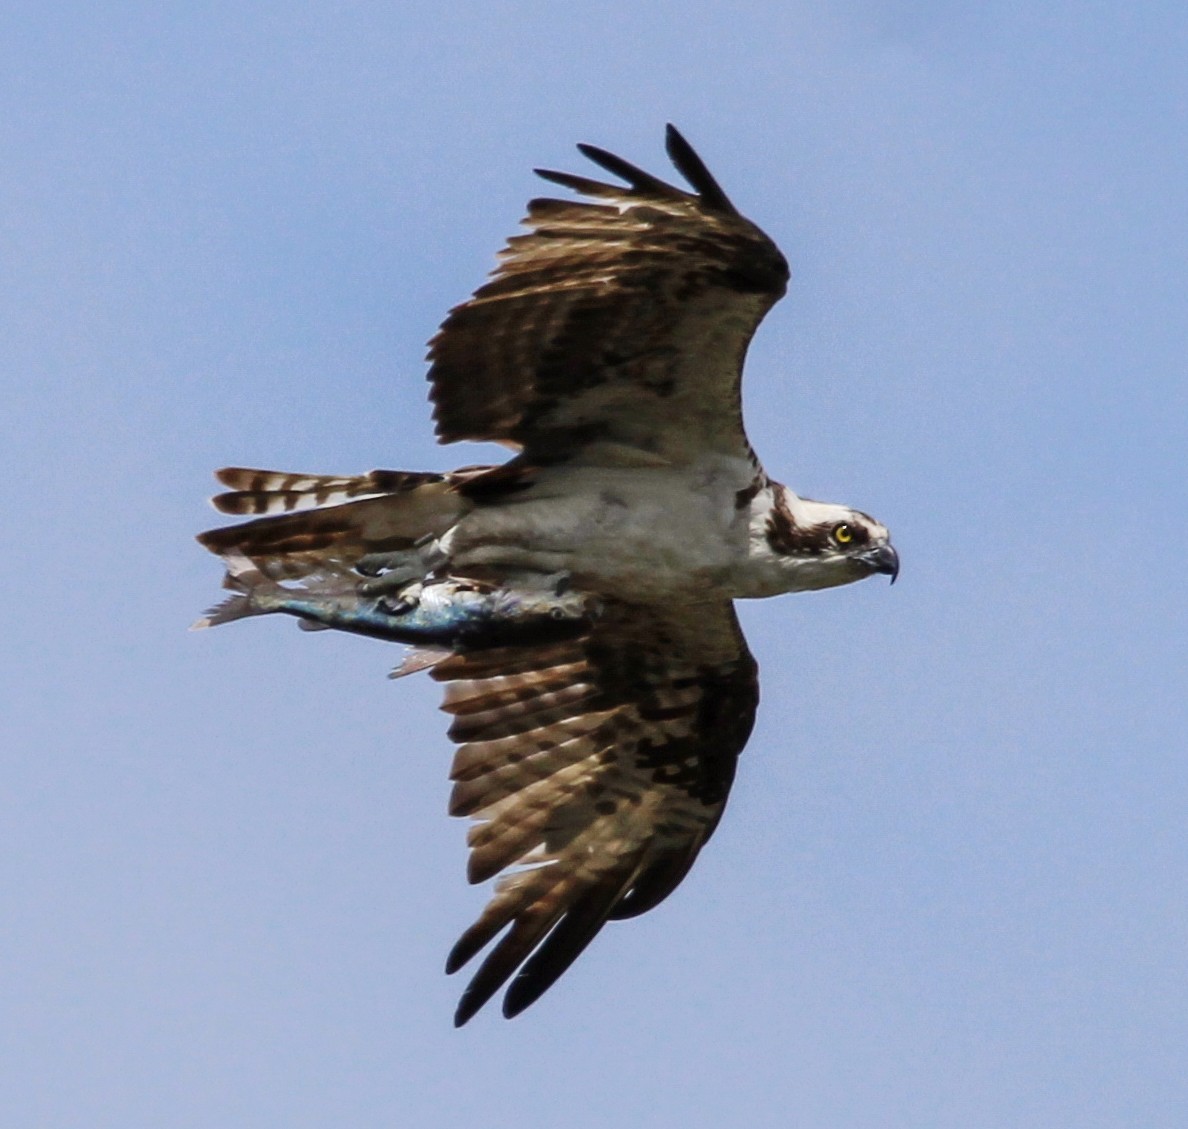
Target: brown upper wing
[597,768]
[621,321]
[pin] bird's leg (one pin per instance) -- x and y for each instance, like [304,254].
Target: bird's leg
[402,572]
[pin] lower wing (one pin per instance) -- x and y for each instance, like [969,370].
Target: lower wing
[596,768]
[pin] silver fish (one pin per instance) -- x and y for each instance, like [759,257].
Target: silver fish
[446,612]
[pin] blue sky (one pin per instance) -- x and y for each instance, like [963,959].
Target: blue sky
[950,886]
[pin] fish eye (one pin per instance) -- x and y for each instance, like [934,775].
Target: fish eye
[843,533]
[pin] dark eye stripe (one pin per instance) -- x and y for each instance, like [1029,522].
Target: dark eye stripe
[789,539]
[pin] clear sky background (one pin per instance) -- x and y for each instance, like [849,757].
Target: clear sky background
[950,888]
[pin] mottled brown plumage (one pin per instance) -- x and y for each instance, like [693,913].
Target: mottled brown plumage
[597,769]
[612,321]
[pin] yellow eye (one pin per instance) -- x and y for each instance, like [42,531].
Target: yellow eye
[843,533]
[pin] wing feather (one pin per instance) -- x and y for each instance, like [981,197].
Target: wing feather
[596,769]
[643,182]
[566,942]
[619,320]
[693,169]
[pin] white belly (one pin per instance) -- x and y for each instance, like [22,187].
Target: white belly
[636,533]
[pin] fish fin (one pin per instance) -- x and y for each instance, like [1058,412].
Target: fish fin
[420,658]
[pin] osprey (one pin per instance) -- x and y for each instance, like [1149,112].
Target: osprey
[606,351]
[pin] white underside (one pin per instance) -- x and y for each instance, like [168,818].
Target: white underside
[636,533]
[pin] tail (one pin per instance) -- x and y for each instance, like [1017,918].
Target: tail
[248,584]
[272,491]
[315,520]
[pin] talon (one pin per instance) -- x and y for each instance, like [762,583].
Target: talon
[399,602]
[395,605]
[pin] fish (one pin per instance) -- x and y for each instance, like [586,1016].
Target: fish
[449,613]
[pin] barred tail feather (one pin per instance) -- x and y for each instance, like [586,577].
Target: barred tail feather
[381,512]
[259,492]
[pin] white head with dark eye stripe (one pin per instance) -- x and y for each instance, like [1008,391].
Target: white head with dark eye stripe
[823,544]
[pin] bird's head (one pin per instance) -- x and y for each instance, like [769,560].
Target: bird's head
[822,544]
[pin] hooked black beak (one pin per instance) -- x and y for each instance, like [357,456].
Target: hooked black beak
[884,559]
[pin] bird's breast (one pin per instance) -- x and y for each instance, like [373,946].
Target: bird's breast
[637,534]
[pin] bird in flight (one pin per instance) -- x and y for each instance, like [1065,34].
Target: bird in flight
[606,352]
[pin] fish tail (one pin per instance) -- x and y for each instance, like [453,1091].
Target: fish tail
[251,589]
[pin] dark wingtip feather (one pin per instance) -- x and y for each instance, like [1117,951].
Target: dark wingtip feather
[693,169]
[503,960]
[468,1007]
[638,179]
[472,1001]
[582,184]
[683,156]
[567,941]
[464,948]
